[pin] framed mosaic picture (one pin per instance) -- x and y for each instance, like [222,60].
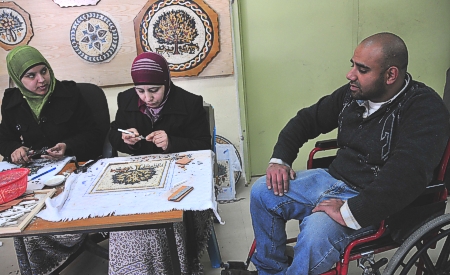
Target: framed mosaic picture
[15,26]
[186,33]
[132,176]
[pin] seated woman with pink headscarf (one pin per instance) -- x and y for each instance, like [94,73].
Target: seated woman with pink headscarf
[171,119]
[160,118]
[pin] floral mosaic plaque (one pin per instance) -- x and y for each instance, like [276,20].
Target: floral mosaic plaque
[15,26]
[224,173]
[75,3]
[132,176]
[186,33]
[94,37]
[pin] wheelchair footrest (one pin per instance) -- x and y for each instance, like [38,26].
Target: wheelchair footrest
[385,241]
[234,265]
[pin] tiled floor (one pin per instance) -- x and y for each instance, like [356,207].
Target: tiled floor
[235,238]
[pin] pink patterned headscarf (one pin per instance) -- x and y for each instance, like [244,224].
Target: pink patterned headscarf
[150,68]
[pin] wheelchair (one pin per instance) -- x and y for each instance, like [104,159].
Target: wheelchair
[415,231]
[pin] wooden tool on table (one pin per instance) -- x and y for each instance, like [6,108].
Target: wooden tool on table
[180,193]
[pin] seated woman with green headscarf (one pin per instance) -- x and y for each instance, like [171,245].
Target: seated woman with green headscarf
[44,112]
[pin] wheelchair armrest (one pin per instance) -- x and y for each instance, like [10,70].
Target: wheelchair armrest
[326,144]
[434,187]
[323,162]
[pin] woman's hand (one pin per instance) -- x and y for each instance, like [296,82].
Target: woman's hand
[20,155]
[131,139]
[55,153]
[159,138]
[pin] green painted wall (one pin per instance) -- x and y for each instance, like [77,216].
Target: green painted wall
[295,51]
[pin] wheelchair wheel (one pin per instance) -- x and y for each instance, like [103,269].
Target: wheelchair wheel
[426,251]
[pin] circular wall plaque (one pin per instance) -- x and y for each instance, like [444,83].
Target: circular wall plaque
[186,33]
[15,26]
[94,37]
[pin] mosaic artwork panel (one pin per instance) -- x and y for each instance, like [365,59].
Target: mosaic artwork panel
[15,26]
[132,176]
[223,174]
[94,37]
[75,3]
[182,31]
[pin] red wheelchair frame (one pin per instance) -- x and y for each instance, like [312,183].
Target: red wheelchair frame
[364,248]
[350,253]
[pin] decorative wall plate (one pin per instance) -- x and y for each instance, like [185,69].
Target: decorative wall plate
[15,26]
[185,32]
[94,37]
[75,3]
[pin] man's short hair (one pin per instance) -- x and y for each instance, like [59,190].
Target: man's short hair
[395,52]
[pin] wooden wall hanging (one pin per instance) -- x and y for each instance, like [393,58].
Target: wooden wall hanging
[94,37]
[186,33]
[75,3]
[51,26]
[15,26]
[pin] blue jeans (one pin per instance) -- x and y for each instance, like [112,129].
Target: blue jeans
[321,240]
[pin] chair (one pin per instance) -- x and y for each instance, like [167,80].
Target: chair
[213,246]
[96,100]
[396,229]
[212,125]
[420,231]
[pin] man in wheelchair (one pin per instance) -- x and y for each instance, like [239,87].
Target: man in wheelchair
[392,131]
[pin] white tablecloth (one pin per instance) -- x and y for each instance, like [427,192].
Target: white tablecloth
[38,167]
[78,202]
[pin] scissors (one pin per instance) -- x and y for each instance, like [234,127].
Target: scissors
[37,153]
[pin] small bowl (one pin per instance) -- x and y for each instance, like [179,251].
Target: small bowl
[55,180]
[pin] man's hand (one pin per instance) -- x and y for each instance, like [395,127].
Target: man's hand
[333,209]
[20,155]
[277,178]
[56,152]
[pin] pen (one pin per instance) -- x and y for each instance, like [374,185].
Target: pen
[130,133]
[41,174]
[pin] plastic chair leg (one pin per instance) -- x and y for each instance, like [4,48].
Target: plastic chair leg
[213,250]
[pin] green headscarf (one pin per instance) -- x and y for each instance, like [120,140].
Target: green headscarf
[18,61]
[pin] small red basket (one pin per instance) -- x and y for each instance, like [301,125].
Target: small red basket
[13,183]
